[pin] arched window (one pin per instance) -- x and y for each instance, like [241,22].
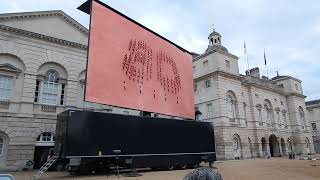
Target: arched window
[50,88]
[231,106]
[307,143]
[45,137]
[302,117]
[1,146]
[269,112]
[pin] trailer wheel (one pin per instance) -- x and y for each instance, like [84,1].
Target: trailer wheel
[184,166]
[170,167]
[195,166]
[59,166]
[211,165]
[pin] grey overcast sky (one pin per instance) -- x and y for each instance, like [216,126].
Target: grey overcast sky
[289,30]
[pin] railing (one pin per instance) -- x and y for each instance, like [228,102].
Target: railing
[48,109]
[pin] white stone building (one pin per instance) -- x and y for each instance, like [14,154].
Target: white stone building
[313,116]
[253,116]
[42,71]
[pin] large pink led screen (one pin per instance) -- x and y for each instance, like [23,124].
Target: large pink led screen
[132,67]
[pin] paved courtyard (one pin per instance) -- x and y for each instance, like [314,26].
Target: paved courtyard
[252,169]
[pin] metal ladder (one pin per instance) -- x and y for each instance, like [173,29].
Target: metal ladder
[45,167]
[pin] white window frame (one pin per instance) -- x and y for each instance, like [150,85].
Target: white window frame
[58,94]
[209,110]
[42,142]
[6,90]
[231,107]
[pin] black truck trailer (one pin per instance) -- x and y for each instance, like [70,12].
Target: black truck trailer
[94,140]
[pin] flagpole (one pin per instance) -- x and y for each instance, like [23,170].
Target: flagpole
[246,54]
[265,62]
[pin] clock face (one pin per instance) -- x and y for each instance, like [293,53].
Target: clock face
[132,67]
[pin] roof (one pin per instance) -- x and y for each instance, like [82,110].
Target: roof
[216,46]
[314,102]
[284,77]
[214,33]
[278,77]
[34,14]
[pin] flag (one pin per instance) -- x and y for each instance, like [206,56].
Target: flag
[265,59]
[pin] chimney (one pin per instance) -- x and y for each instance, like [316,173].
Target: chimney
[255,72]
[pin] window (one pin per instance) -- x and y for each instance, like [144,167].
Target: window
[46,137]
[194,69]
[126,112]
[260,117]
[269,116]
[209,110]
[285,120]
[1,146]
[314,126]
[205,64]
[302,118]
[50,88]
[256,95]
[281,102]
[231,107]
[207,83]
[296,85]
[245,113]
[5,87]
[278,119]
[227,64]
[36,93]
[62,94]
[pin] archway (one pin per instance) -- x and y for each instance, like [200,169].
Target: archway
[237,150]
[264,147]
[290,149]
[274,146]
[43,149]
[307,146]
[283,147]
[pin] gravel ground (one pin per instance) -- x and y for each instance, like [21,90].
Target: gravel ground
[252,169]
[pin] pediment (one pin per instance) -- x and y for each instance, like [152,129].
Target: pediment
[10,68]
[55,24]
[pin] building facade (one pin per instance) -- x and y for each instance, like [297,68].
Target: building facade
[253,116]
[313,116]
[42,73]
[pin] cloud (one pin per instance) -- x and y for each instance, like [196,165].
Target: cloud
[288,30]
